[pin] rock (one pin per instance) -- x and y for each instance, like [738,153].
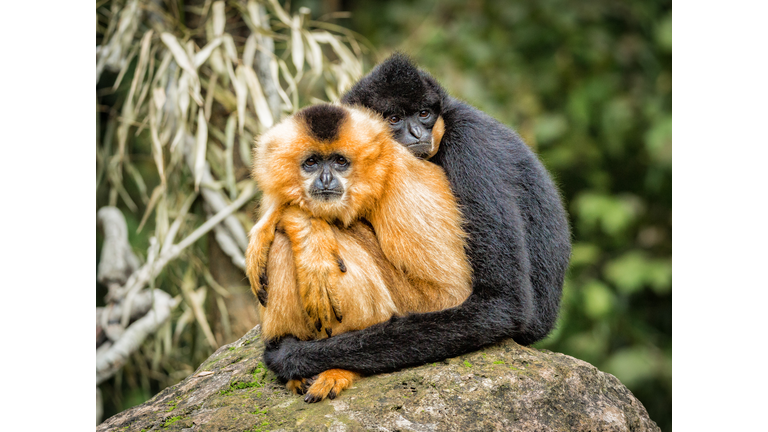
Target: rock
[502,387]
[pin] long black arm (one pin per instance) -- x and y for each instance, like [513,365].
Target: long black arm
[519,247]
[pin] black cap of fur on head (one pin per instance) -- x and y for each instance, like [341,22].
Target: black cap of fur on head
[396,86]
[323,121]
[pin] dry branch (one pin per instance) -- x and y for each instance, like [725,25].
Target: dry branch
[230,235]
[152,268]
[108,319]
[117,259]
[114,358]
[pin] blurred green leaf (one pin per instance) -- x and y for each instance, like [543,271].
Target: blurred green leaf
[633,270]
[586,345]
[550,127]
[631,365]
[658,141]
[659,275]
[627,272]
[664,33]
[584,254]
[617,120]
[612,214]
[598,299]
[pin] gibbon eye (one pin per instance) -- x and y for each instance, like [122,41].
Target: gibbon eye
[341,160]
[310,162]
[424,114]
[394,119]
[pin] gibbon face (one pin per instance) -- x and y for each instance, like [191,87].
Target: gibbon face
[331,162]
[409,100]
[325,177]
[420,132]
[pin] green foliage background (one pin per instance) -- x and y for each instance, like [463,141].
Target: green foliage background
[589,86]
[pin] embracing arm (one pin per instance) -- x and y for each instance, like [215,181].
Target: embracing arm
[518,245]
[400,342]
[260,240]
[489,315]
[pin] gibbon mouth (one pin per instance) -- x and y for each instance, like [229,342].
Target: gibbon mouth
[327,195]
[426,145]
[420,148]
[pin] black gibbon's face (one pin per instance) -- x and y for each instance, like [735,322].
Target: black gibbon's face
[325,176]
[414,131]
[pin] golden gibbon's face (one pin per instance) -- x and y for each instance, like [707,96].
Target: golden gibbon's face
[325,177]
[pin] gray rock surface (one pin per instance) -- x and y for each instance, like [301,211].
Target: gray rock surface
[504,387]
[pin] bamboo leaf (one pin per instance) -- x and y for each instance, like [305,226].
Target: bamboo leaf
[183,94]
[274,69]
[157,145]
[330,93]
[158,97]
[297,45]
[241,92]
[120,190]
[217,62]
[245,140]
[209,95]
[257,95]
[181,323]
[253,11]
[249,52]
[315,53]
[160,73]
[201,140]
[147,85]
[124,69]
[180,214]
[229,47]
[348,59]
[179,54]
[195,82]
[229,156]
[195,299]
[138,180]
[219,18]
[180,134]
[280,12]
[292,86]
[206,52]
[157,192]
[141,67]
[161,218]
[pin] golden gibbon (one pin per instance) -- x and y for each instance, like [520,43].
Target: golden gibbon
[353,229]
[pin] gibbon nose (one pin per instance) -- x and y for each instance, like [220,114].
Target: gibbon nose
[415,130]
[326,180]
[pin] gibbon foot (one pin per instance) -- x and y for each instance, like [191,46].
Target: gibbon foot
[300,386]
[329,384]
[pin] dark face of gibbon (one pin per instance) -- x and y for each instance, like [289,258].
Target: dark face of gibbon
[324,176]
[414,130]
[410,100]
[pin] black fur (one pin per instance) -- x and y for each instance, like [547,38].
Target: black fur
[262,296]
[397,87]
[323,121]
[519,243]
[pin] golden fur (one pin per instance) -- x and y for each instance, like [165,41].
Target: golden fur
[328,270]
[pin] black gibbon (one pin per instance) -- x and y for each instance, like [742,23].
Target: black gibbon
[354,230]
[518,245]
